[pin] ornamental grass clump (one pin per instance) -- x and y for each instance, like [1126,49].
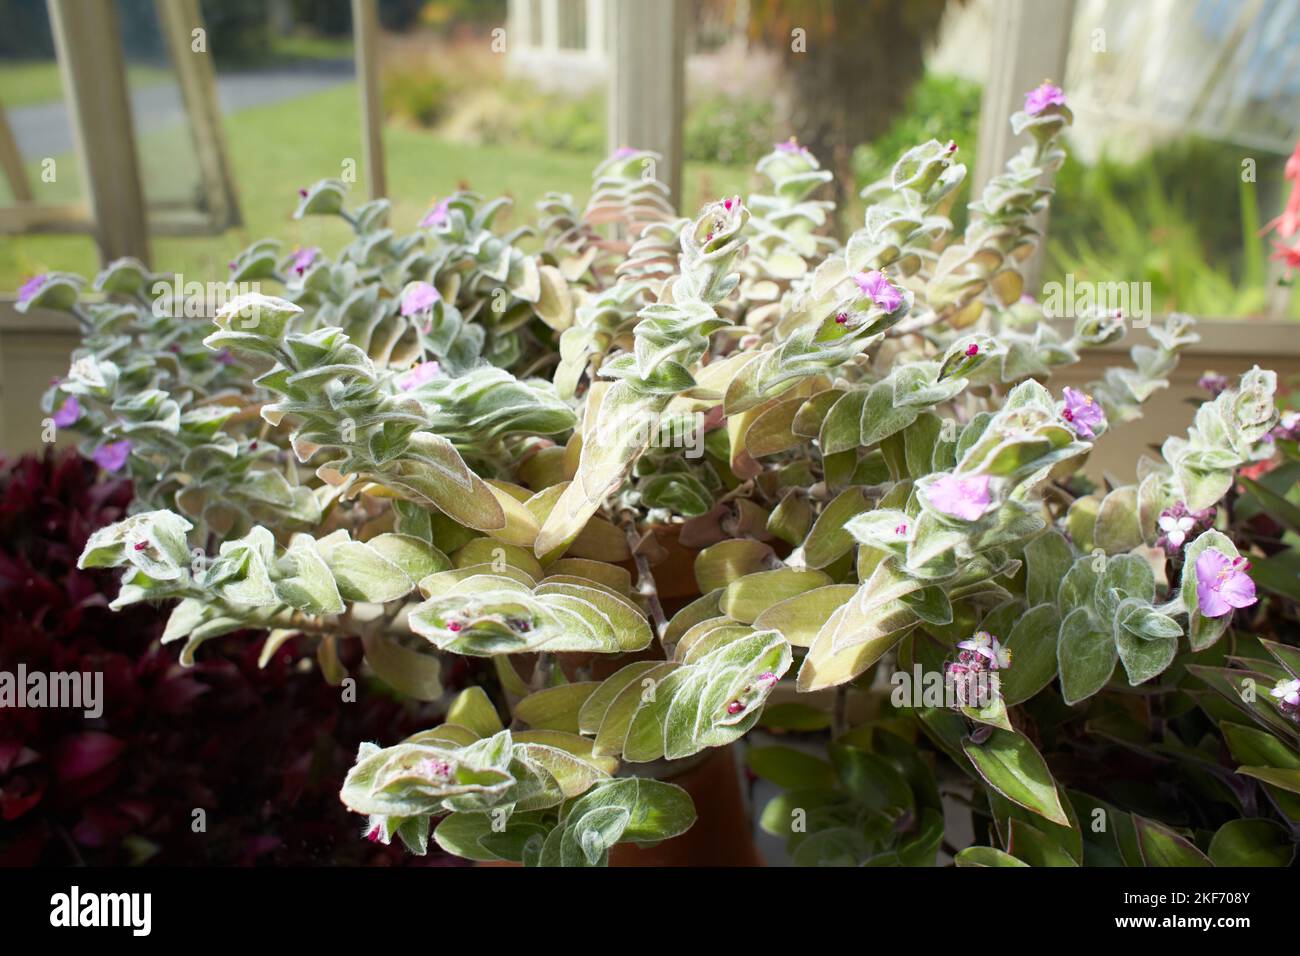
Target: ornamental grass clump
[440,444]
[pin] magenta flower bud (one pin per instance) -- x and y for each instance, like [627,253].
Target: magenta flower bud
[437,216]
[881,291]
[31,287]
[735,707]
[972,350]
[1082,413]
[419,375]
[418,297]
[967,498]
[68,412]
[1040,98]
[113,456]
[140,545]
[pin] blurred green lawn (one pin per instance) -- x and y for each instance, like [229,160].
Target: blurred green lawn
[276,149]
[25,82]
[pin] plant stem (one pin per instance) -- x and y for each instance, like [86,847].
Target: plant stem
[541,672]
[645,580]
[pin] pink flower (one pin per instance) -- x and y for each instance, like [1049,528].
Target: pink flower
[437,216]
[985,645]
[303,259]
[1288,255]
[1213,383]
[964,498]
[112,457]
[31,287]
[1288,224]
[791,147]
[882,292]
[1040,98]
[418,297]
[1222,583]
[68,412]
[1082,413]
[1287,428]
[417,376]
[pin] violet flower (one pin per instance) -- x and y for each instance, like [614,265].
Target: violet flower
[437,216]
[31,287]
[1213,383]
[1082,413]
[882,292]
[964,498]
[791,147]
[418,297]
[1222,583]
[303,259]
[417,376]
[1041,97]
[112,457]
[1288,429]
[68,412]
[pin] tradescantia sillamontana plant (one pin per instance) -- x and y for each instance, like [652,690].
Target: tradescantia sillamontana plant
[452,442]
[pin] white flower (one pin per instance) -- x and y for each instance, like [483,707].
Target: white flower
[1287,690]
[1177,529]
[987,646]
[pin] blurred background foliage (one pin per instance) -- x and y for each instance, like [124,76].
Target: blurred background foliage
[457,114]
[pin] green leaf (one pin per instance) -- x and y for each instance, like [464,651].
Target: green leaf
[1275,505]
[410,673]
[1251,843]
[556,708]
[1011,765]
[1047,558]
[1286,778]
[790,769]
[1032,643]
[1085,654]
[1028,843]
[473,710]
[1161,846]
[986,856]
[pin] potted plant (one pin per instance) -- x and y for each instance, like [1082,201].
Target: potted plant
[443,446]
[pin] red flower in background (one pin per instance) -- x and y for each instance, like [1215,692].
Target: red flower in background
[1288,224]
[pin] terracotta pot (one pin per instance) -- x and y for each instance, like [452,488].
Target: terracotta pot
[722,834]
